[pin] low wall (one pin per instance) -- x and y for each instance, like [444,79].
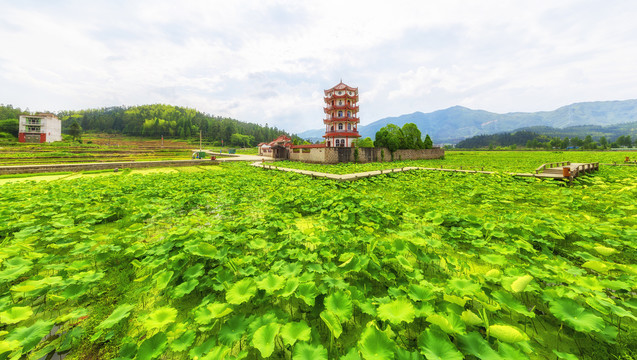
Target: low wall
[335,155]
[32,169]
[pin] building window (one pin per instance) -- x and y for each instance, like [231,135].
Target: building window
[337,142]
[340,114]
[349,126]
[332,128]
[340,126]
[349,114]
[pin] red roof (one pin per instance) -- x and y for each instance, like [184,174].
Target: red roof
[281,140]
[341,86]
[308,146]
[341,134]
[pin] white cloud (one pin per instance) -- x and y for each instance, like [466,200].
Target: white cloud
[268,61]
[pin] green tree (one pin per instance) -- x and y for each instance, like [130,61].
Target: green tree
[428,143]
[603,142]
[411,135]
[391,137]
[366,142]
[565,143]
[75,130]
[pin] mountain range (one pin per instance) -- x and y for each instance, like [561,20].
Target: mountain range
[449,126]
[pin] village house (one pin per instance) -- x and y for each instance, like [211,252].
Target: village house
[39,128]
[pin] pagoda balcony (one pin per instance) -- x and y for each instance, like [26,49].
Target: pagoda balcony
[341,107]
[342,133]
[342,119]
[344,96]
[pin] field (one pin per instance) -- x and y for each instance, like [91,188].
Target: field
[232,262]
[102,148]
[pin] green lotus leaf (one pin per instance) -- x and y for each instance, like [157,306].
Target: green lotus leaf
[463,287]
[606,251]
[271,283]
[204,315]
[451,323]
[193,272]
[8,345]
[507,300]
[575,315]
[160,318]
[507,333]
[203,348]
[598,266]
[183,342]
[290,287]
[203,250]
[455,300]
[352,354]
[470,318]
[30,336]
[375,345]
[15,314]
[14,268]
[303,351]
[508,351]
[307,292]
[152,347]
[565,356]
[340,304]
[420,293]
[242,291]
[116,316]
[216,353]
[473,344]
[185,288]
[397,311]
[233,329]
[493,274]
[263,338]
[435,345]
[28,285]
[333,323]
[402,354]
[295,331]
[162,279]
[520,283]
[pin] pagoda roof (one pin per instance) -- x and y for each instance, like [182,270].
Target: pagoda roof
[341,86]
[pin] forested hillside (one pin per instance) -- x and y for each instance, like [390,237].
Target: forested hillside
[155,121]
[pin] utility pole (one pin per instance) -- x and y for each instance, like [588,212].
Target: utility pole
[162,141]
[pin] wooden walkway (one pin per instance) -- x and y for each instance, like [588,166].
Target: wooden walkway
[546,171]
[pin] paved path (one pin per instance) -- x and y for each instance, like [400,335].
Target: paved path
[361,175]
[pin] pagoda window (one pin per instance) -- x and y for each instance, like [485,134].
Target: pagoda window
[340,102]
[337,142]
[340,114]
[340,126]
[332,128]
[349,114]
[349,126]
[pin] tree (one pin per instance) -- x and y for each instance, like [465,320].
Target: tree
[411,135]
[366,142]
[603,142]
[75,130]
[565,143]
[428,143]
[390,136]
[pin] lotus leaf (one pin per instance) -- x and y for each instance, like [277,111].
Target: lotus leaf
[263,339]
[30,336]
[15,314]
[374,345]
[116,316]
[242,291]
[575,315]
[295,331]
[152,347]
[271,283]
[520,283]
[160,318]
[451,323]
[340,304]
[473,344]
[183,342]
[332,322]
[303,351]
[435,345]
[185,288]
[507,333]
[397,311]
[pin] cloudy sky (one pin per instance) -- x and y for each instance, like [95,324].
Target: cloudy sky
[268,61]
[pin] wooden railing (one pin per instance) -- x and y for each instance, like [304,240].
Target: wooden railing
[551,165]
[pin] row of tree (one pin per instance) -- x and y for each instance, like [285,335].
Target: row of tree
[533,140]
[409,137]
[154,121]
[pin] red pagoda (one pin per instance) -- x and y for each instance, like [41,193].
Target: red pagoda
[341,121]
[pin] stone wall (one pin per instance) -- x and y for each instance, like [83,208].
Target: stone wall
[335,155]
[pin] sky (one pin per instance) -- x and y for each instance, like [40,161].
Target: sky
[268,61]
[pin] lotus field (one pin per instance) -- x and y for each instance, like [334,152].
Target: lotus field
[237,262]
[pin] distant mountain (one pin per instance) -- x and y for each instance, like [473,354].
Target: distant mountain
[457,123]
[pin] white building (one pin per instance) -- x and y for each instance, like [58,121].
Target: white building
[40,128]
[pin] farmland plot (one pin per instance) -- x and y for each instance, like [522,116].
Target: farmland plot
[247,263]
